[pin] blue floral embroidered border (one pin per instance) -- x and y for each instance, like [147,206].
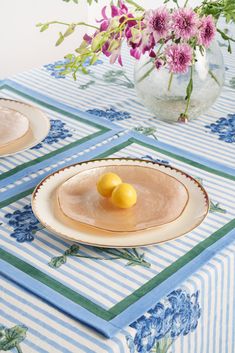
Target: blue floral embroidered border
[175,315]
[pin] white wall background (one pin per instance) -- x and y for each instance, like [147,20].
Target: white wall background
[22,44]
[24,47]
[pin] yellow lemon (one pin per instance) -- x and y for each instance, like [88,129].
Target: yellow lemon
[107,182]
[124,196]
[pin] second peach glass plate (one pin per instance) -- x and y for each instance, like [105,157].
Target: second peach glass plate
[170,204]
[34,127]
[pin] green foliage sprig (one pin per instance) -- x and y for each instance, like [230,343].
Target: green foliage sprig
[133,26]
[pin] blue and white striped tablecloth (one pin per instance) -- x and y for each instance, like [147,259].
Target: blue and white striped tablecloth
[52,301]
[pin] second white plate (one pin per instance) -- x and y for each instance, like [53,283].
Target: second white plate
[39,127]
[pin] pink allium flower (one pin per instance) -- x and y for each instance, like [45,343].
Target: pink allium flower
[179,57]
[184,23]
[207,31]
[158,22]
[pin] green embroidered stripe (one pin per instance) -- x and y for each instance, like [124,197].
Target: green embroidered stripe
[55,285]
[131,299]
[15,198]
[170,154]
[101,131]
[49,155]
[52,107]
[155,281]
[169,271]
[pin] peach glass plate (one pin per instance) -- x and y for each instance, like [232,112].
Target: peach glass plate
[161,199]
[47,209]
[38,129]
[13,125]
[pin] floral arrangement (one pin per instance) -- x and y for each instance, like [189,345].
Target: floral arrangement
[170,37]
[175,315]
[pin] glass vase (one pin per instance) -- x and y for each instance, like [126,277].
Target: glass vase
[166,99]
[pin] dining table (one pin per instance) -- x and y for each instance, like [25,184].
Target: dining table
[57,295]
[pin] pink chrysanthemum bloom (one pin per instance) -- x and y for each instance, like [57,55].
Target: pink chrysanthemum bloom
[179,57]
[184,23]
[158,22]
[207,31]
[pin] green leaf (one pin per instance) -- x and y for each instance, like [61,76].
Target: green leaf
[189,89]
[232,82]
[97,41]
[60,40]
[58,261]
[74,249]
[215,207]
[12,337]
[214,77]
[85,71]
[113,45]
[94,59]
[70,30]
[147,73]
[75,1]
[44,27]
[131,263]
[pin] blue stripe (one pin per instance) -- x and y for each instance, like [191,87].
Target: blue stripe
[105,284]
[42,309]
[27,341]
[65,273]
[228,310]
[57,300]
[199,159]
[86,116]
[53,160]
[145,303]
[48,328]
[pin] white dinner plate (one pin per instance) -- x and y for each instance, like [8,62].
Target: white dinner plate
[47,209]
[39,126]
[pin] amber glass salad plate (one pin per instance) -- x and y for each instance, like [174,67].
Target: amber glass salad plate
[169,204]
[22,126]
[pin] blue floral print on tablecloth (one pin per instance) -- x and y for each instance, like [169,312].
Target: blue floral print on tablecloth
[24,224]
[110,114]
[224,128]
[57,132]
[175,315]
[55,69]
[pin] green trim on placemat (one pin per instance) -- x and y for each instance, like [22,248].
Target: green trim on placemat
[102,130]
[132,298]
[147,287]
[167,153]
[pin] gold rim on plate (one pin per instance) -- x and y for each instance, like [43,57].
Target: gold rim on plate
[102,238]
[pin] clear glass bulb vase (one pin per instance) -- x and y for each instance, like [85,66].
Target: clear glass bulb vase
[167,101]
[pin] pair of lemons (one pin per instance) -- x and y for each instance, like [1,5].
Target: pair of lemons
[122,195]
